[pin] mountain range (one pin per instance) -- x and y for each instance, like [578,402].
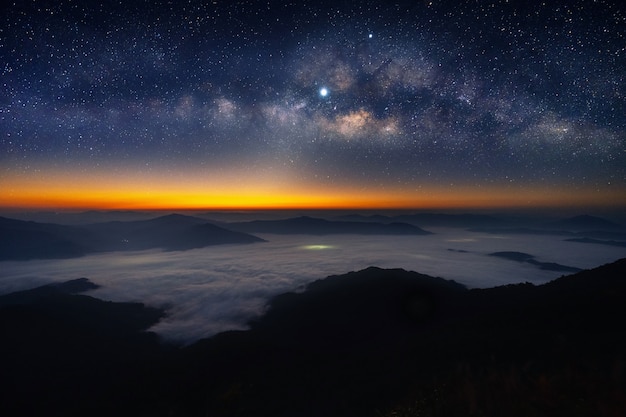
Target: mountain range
[316,226]
[376,342]
[23,240]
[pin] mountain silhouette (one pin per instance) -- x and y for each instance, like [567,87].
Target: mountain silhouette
[31,296]
[391,342]
[64,353]
[598,241]
[80,218]
[171,232]
[434,219]
[375,342]
[315,226]
[23,240]
[585,223]
[357,305]
[582,229]
[527,258]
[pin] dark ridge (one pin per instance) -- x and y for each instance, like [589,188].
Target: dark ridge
[585,223]
[514,256]
[171,232]
[64,354]
[598,241]
[357,305]
[375,218]
[316,226]
[599,234]
[520,231]
[81,218]
[452,220]
[525,257]
[390,342]
[434,219]
[74,286]
[371,343]
[24,240]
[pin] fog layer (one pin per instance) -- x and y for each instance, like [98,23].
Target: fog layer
[209,290]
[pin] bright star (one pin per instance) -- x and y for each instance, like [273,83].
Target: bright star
[370,36]
[323,91]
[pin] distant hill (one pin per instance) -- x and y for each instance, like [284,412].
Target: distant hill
[80,218]
[585,223]
[583,229]
[22,240]
[530,259]
[315,226]
[465,220]
[598,241]
[171,232]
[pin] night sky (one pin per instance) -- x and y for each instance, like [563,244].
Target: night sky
[252,104]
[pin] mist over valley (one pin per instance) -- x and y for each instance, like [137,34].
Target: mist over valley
[221,287]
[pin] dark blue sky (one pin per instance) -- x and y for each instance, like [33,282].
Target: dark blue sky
[416,94]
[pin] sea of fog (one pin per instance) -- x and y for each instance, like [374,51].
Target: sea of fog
[217,288]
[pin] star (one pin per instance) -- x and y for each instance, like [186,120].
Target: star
[202,90]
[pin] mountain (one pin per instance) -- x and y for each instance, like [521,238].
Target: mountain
[375,342]
[582,229]
[373,218]
[390,342]
[585,223]
[353,307]
[598,241]
[31,296]
[64,353]
[80,218]
[23,240]
[315,226]
[530,259]
[434,219]
[171,232]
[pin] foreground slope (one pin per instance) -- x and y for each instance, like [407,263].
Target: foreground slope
[65,353]
[387,342]
[377,342]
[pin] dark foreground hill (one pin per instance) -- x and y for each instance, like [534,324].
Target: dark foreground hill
[23,240]
[369,343]
[63,353]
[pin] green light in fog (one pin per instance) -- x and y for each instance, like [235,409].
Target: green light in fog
[318,247]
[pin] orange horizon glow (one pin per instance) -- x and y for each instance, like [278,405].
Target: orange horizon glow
[131,191]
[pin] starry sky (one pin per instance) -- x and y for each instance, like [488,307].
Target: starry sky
[268,104]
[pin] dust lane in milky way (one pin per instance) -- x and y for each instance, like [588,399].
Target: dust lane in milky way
[312,104]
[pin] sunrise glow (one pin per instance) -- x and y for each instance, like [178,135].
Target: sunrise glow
[126,189]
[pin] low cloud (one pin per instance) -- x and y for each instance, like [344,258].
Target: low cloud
[210,290]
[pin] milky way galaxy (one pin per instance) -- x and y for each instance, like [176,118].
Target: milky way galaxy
[232,104]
